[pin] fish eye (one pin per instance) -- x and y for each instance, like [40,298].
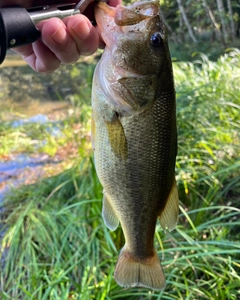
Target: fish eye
[156,39]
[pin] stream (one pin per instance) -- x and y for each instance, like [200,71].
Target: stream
[22,168]
[28,97]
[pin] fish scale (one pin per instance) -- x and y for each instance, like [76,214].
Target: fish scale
[134,137]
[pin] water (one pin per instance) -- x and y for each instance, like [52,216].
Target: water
[18,168]
[22,168]
[28,97]
[39,119]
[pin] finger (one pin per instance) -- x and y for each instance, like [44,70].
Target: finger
[39,57]
[84,34]
[57,38]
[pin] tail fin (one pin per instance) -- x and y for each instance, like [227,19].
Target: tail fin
[131,272]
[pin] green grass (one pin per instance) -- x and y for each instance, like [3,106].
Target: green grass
[183,51]
[58,247]
[208,100]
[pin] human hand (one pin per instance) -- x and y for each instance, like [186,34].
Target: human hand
[62,41]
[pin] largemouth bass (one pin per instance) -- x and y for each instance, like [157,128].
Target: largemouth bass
[134,135]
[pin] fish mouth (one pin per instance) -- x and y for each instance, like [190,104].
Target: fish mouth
[120,18]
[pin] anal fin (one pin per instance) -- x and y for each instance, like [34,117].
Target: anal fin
[169,216]
[109,216]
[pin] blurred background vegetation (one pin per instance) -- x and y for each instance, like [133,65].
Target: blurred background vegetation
[202,25]
[54,244]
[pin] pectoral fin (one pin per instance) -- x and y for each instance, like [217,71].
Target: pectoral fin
[169,216]
[117,138]
[109,216]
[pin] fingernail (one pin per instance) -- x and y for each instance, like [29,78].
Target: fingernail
[59,35]
[82,29]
